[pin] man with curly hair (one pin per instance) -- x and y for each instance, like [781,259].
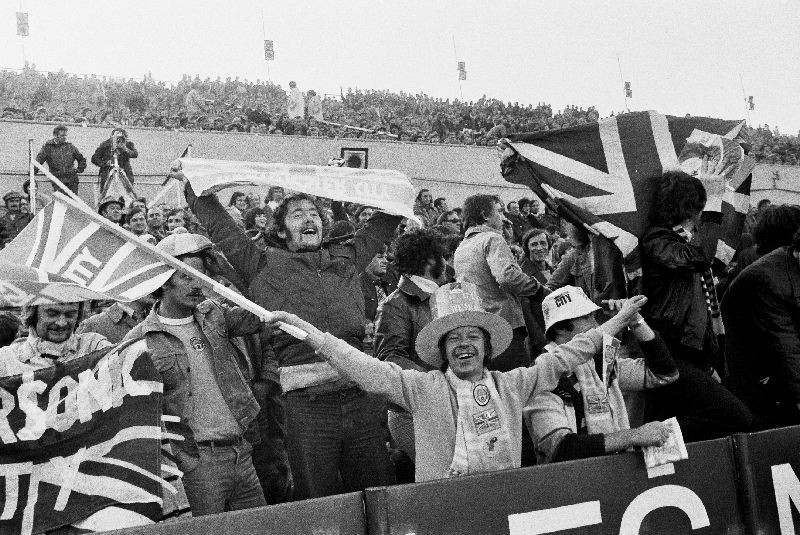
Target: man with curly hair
[682,306]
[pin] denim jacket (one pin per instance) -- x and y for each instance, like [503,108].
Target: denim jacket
[219,326]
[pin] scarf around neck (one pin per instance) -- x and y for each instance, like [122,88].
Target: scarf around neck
[483,440]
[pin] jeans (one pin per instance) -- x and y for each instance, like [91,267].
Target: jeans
[335,443]
[221,479]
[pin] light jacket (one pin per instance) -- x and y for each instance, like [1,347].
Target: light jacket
[219,326]
[484,259]
[552,415]
[432,402]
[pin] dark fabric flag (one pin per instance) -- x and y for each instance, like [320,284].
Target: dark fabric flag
[79,437]
[602,176]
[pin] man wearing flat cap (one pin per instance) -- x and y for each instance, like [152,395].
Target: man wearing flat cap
[14,220]
[111,208]
[189,338]
[466,418]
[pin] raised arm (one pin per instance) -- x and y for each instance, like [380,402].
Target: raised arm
[376,376]
[668,250]
[243,254]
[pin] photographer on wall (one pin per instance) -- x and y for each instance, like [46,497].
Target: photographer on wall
[119,146]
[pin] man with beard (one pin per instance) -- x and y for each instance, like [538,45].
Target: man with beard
[334,435]
[189,338]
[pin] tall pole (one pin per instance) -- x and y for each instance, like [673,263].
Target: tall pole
[32,178]
[455,54]
[264,39]
[22,38]
[746,103]
[622,83]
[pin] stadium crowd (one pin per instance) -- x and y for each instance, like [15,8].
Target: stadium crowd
[262,107]
[497,311]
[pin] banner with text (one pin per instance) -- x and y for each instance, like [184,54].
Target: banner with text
[78,437]
[386,189]
[613,494]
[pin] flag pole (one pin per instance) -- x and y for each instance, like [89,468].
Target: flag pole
[455,54]
[167,184]
[216,287]
[31,178]
[622,81]
[744,96]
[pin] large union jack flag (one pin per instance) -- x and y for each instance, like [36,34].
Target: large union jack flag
[64,240]
[603,175]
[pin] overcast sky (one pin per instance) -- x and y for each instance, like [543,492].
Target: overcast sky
[680,56]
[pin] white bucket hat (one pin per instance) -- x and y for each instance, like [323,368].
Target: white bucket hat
[566,303]
[458,305]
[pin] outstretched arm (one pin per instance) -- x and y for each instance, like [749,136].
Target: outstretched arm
[243,254]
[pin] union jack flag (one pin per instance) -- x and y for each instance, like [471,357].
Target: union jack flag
[602,175]
[64,240]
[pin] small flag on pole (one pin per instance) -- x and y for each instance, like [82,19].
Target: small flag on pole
[462,70]
[269,51]
[628,91]
[22,24]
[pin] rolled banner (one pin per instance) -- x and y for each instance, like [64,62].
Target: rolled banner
[386,189]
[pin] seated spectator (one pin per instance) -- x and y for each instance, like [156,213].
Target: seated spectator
[762,317]
[676,265]
[569,422]
[459,342]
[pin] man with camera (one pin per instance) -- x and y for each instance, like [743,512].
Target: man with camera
[119,146]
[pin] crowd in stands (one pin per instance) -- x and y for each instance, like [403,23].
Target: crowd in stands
[489,308]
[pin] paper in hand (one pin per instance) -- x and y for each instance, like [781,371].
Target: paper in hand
[674,449]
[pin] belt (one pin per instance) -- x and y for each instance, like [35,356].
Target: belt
[227,442]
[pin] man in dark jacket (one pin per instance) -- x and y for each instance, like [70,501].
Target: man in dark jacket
[419,256]
[329,453]
[118,145]
[14,220]
[762,316]
[60,156]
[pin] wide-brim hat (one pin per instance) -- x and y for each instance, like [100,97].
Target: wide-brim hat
[458,305]
[566,303]
[180,244]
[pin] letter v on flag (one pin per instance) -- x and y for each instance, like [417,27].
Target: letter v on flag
[64,240]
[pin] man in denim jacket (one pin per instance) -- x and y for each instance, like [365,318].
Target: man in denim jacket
[189,340]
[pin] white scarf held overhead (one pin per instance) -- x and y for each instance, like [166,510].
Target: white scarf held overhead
[483,442]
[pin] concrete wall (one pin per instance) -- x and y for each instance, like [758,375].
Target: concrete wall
[451,171]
